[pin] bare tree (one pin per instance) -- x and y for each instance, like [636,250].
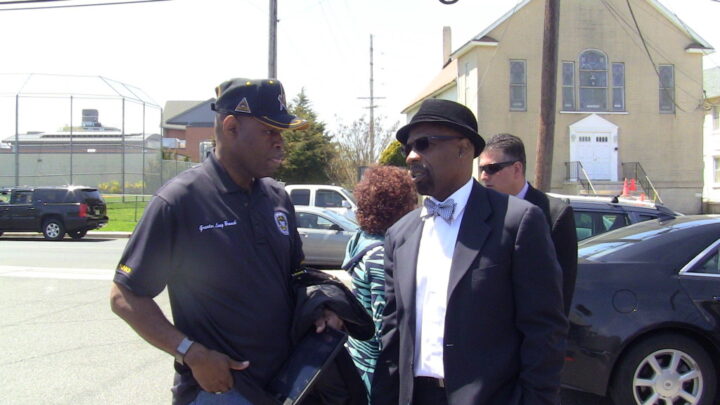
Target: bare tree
[353,148]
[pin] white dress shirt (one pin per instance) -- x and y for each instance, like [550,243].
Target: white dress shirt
[523,192]
[437,245]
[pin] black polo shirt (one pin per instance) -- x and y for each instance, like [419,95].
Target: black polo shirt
[226,256]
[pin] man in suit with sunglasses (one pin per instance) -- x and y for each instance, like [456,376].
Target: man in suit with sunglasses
[474,311]
[502,168]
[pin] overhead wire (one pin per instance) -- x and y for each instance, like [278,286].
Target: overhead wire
[634,33]
[631,33]
[657,71]
[115,3]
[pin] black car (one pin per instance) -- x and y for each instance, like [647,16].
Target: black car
[645,317]
[52,210]
[596,215]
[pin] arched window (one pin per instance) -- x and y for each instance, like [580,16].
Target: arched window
[593,68]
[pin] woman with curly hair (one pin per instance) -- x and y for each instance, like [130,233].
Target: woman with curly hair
[384,195]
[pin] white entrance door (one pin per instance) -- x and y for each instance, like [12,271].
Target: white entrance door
[594,151]
[593,143]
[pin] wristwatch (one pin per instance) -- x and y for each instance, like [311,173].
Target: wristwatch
[182,350]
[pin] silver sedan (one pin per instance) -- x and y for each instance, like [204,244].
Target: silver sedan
[324,235]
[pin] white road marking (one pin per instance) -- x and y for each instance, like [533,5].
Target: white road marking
[56,273]
[90,274]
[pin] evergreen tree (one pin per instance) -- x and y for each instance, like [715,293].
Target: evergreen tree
[393,155]
[308,152]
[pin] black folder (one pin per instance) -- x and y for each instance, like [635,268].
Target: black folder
[307,361]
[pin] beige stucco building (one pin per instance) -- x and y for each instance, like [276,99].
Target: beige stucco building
[623,98]
[711,192]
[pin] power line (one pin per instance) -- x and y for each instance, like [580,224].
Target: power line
[116,3]
[629,28]
[657,72]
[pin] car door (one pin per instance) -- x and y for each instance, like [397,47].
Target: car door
[323,240]
[701,280]
[21,212]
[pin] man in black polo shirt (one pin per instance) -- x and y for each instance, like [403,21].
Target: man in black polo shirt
[222,237]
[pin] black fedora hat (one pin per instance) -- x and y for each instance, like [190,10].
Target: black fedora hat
[445,112]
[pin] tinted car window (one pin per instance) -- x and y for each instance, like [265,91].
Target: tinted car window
[645,217]
[22,197]
[88,194]
[710,266]
[52,196]
[590,223]
[300,197]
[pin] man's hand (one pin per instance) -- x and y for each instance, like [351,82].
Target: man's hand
[211,369]
[328,318]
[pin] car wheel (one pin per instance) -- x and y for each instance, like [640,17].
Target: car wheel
[665,369]
[77,235]
[53,229]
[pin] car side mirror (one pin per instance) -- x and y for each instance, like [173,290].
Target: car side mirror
[335,227]
[346,204]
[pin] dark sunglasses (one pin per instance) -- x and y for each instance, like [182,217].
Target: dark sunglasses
[421,144]
[493,168]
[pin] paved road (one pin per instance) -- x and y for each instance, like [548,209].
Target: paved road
[60,342]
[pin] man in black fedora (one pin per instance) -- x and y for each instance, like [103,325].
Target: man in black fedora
[474,312]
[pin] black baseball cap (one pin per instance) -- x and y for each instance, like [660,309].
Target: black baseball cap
[262,99]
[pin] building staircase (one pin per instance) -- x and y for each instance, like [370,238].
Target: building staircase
[635,184]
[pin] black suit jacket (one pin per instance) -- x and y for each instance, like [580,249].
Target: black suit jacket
[561,219]
[505,329]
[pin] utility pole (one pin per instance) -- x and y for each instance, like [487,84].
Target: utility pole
[272,58]
[371,126]
[548,96]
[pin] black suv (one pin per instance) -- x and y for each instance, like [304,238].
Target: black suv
[596,215]
[52,210]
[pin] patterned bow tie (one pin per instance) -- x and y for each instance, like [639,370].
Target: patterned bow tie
[444,209]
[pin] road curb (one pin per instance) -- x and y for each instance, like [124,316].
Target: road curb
[90,235]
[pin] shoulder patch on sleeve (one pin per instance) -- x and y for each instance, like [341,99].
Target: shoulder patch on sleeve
[281,221]
[124,268]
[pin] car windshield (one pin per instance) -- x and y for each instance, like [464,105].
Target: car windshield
[347,224]
[349,195]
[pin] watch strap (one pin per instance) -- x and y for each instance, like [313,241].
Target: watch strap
[182,350]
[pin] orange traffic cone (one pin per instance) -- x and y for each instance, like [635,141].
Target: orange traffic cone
[625,191]
[633,186]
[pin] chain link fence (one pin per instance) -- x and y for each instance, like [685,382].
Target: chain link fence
[82,130]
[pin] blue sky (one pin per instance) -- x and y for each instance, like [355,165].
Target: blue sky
[181,49]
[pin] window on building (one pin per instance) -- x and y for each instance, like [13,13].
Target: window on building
[593,81]
[568,86]
[716,117]
[716,169]
[667,88]
[518,85]
[618,90]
